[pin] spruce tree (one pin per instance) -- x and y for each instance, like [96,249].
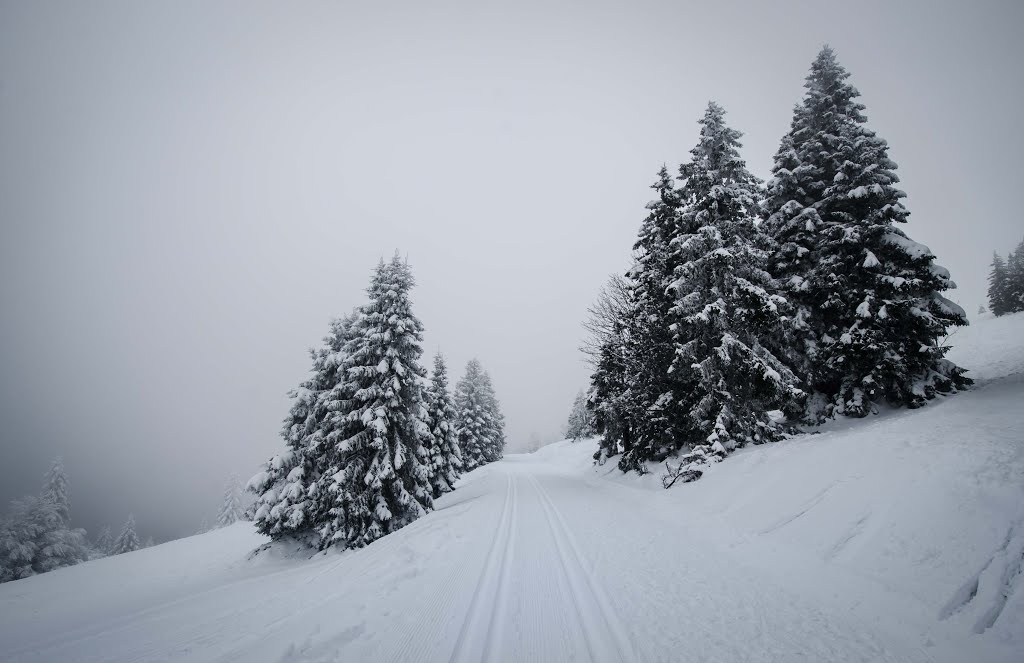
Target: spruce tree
[291,501]
[1014,291]
[127,540]
[231,507]
[495,421]
[55,489]
[444,453]
[607,347]
[581,423]
[105,541]
[375,456]
[26,521]
[869,310]
[726,308]
[653,389]
[574,426]
[998,299]
[473,426]
[37,535]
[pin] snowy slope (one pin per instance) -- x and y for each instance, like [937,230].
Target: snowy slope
[896,538]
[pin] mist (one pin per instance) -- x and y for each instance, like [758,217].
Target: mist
[190,191]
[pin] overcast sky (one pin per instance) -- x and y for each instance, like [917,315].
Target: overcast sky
[189,191]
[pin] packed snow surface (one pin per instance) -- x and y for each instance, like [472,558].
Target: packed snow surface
[895,538]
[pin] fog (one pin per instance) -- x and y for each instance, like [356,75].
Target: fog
[189,191]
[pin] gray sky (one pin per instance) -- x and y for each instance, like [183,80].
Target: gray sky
[190,190]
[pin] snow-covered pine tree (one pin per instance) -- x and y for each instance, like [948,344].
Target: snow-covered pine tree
[37,535]
[204,526]
[55,489]
[149,542]
[19,534]
[998,287]
[726,307]
[574,426]
[607,348]
[473,428]
[495,422]
[105,541]
[1014,292]
[291,501]
[376,458]
[127,540]
[231,507]
[869,308]
[649,349]
[444,453]
[581,419]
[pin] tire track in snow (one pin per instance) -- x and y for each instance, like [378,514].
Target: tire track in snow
[605,637]
[481,629]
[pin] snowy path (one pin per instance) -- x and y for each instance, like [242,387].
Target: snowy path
[897,538]
[521,564]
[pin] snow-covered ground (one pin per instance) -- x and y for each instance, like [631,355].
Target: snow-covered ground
[897,538]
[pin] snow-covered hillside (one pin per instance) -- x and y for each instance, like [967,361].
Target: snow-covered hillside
[896,538]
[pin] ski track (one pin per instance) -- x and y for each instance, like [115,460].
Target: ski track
[606,639]
[477,633]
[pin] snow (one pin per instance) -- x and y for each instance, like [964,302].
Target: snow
[907,245]
[899,537]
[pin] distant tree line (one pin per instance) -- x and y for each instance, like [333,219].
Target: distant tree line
[369,443]
[751,308]
[36,534]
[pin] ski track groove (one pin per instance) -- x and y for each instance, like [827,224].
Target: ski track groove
[852,533]
[411,648]
[464,650]
[496,630]
[808,505]
[583,589]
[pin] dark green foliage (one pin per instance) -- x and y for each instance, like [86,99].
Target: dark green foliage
[869,313]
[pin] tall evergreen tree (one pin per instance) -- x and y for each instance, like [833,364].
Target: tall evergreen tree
[653,395]
[471,430]
[105,541]
[127,540]
[726,308]
[444,453]
[606,349]
[998,287]
[37,536]
[55,489]
[26,521]
[375,455]
[581,420]
[868,299]
[1014,292]
[495,421]
[474,428]
[291,500]
[231,507]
